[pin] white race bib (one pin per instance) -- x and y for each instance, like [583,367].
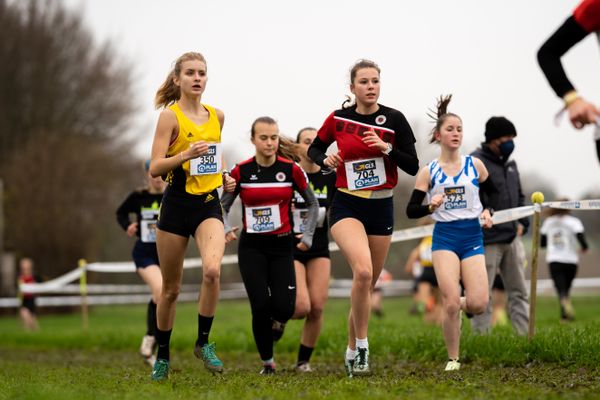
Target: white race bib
[209,163]
[261,219]
[364,174]
[148,230]
[300,216]
[455,198]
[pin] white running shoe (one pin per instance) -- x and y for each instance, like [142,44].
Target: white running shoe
[304,367]
[453,365]
[147,346]
[361,362]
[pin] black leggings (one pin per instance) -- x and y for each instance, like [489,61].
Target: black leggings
[563,274]
[267,268]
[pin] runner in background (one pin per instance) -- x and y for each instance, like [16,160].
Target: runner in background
[455,185]
[145,204]
[266,185]
[560,234]
[426,298]
[313,266]
[385,278]
[27,311]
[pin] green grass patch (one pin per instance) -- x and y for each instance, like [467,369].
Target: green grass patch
[60,361]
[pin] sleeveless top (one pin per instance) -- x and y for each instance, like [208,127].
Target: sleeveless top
[462,191]
[202,174]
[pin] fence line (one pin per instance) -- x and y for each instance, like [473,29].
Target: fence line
[62,284]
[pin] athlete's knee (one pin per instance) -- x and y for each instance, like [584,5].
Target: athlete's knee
[170,293]
[211,273]
[260,307]
[363,275]
[155,293]
[316,312]
[451,306]
[477,305]
[282,311]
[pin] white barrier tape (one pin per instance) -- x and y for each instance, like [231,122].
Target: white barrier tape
[418,232]
[340,288]
[574,205]
[51,286]
[115,288]
[512,214]
[111,267]
[426,230]
[116,267]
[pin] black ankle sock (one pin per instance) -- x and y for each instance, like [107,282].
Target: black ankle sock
[204,325]
[151,319]
[304,354]
[163,338]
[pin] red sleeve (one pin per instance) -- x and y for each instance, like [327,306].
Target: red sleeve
[299,177]
[587,15]
[327,131]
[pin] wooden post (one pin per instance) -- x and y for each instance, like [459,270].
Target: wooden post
[537,199]
[83,294]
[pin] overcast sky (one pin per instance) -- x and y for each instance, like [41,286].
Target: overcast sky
[290,60]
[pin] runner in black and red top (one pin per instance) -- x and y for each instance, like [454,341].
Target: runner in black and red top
[27,311]
[373,141]
[266,184]
[585,20]
[313,267]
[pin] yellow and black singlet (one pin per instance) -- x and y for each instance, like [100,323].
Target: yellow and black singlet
[203,174]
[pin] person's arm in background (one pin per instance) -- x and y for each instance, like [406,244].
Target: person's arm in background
[128,207]
[585,19]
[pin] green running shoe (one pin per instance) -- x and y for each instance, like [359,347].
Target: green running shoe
[361,362]
[160,371]
[207,354]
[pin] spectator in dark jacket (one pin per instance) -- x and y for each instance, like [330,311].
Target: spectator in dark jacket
[501,241]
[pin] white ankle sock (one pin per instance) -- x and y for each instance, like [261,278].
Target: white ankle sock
[350,354]
[362,343]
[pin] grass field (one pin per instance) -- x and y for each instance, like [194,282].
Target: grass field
[408,356]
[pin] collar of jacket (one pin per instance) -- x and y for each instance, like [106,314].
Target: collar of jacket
[491,155]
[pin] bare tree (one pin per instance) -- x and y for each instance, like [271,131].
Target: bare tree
[65,154]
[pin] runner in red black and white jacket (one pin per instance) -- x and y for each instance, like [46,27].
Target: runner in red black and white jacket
[266,184]
[585,20]
[373,141]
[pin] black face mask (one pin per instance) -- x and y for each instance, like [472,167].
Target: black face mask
[506,148]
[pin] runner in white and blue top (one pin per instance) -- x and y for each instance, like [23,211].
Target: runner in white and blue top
[457,228]
[453,182]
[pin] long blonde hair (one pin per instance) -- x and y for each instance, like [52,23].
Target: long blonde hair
[169,92]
